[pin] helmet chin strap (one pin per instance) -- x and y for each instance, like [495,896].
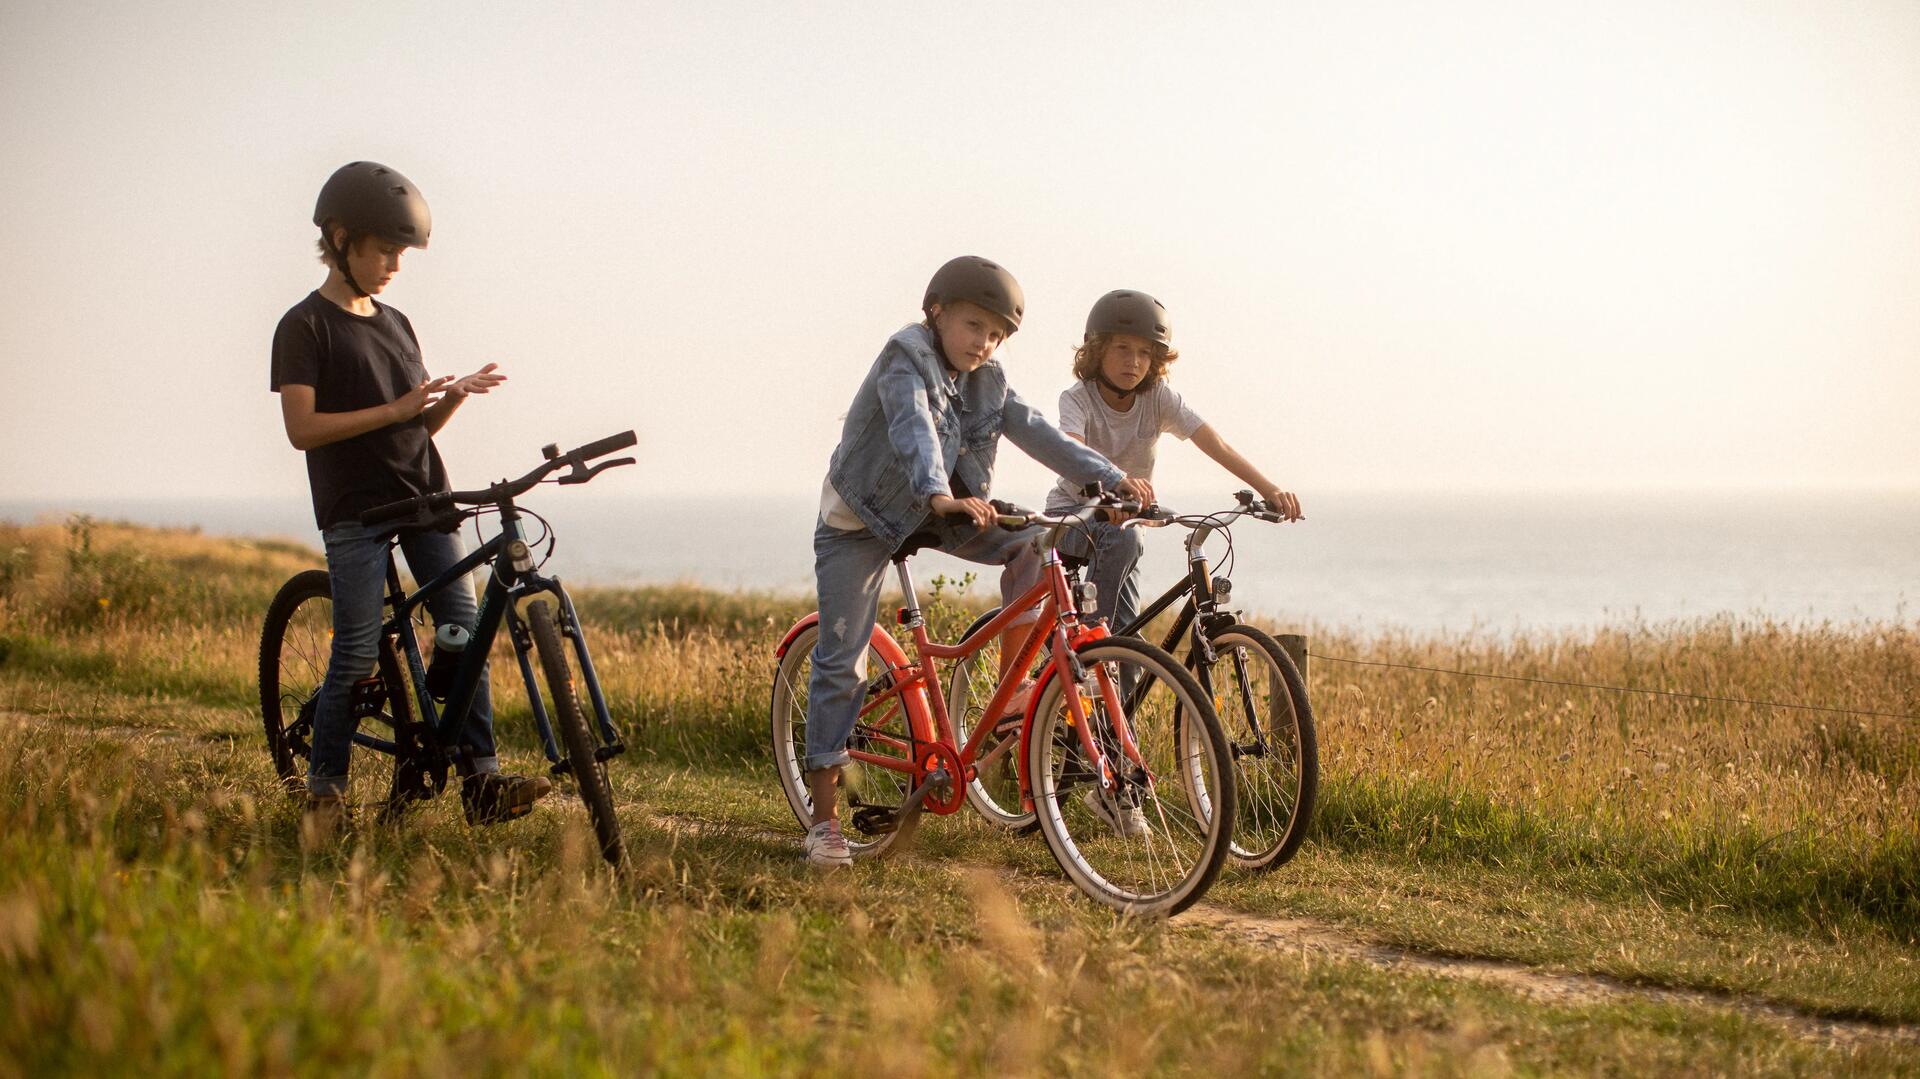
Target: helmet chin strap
[940,347]
[340,260]
[1110,384]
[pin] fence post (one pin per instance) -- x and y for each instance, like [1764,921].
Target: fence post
[1295,646]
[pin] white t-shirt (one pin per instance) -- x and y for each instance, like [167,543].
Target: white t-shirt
[1125,438]
[835,511]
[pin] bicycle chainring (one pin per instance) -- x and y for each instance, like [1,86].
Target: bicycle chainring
[935,755]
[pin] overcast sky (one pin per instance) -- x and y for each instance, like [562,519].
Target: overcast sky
[1421,247]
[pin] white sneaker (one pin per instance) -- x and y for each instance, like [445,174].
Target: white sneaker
[1129,822]
[826,846]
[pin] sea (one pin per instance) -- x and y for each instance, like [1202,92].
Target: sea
[1485,563]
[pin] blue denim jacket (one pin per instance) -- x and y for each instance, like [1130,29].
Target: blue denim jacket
[915,424]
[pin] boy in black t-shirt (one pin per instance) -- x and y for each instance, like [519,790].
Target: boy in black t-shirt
[356,397]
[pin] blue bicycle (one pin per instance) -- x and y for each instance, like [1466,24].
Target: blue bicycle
[415,729]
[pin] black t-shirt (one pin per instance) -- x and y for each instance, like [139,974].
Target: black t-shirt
[355,362]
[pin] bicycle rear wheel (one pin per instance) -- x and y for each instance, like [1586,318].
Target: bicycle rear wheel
[583,758]
[868,792]
[995,789]
[296,646]
[1262,704]
[1153,841]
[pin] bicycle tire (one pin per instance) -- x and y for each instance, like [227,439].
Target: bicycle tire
[1276,784]
[1185,834]
[872,785]
[589,771]
[994,791]
[295,651]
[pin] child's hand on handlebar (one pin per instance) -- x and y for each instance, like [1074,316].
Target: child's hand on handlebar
[1139,490]
[1284,503]
[1136,490]
[977,510]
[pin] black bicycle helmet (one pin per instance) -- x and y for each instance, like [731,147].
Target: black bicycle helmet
[372,198]
[979,281]
[1127,311]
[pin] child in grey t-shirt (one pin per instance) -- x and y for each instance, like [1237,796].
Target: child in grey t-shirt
[1120,406]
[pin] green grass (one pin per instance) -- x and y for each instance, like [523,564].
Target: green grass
[157,910]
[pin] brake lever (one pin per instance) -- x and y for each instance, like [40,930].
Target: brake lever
[582,473]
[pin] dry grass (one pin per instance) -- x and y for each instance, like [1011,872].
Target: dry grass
[155,906]
[1639,760]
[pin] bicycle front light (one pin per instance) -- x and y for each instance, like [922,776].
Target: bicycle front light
[519,557]
[1222,589]
[1086,597]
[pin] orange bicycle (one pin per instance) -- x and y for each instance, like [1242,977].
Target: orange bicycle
[1136,802]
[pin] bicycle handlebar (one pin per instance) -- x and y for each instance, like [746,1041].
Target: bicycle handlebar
[1138,515]
[577,458]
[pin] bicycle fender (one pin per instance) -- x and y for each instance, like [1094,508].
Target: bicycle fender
[787,641]
[919,711]
[890,651]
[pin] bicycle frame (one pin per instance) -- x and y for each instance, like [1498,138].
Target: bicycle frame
[914,686]
[512,579]
[1199,617]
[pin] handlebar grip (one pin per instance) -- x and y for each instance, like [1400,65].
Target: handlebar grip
[605,446]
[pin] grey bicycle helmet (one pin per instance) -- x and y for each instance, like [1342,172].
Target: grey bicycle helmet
[1128,311]
[980,281]
[372,198]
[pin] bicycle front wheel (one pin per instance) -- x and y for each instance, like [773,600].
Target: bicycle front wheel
[869,793]
[296,646]
[1148,833]
[583,757]
[1262,704]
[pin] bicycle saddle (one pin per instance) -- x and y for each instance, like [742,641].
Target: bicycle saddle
[915,543]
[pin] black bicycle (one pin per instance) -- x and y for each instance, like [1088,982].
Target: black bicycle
[420,734]
[1256,689]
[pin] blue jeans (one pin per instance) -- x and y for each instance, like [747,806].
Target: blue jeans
[1113,569]
[357,563]
[849,568]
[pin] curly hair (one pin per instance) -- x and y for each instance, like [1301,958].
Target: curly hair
[1086,360]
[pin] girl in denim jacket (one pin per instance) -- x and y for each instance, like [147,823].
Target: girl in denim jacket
[918,445]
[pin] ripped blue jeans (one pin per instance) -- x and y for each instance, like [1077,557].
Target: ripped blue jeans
[849,569]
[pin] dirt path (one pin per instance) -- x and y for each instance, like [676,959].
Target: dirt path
[1308,937]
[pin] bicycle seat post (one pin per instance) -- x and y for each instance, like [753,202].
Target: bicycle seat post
[395,594]
[909,614]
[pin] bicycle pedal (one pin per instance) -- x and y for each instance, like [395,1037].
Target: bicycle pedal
[873,819]
[367,697]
